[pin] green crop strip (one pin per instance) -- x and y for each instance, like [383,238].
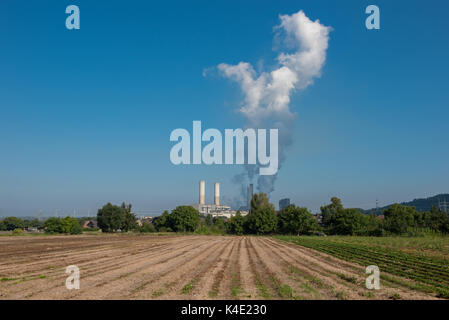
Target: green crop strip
[430,273]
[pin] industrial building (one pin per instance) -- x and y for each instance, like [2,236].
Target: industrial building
[216,209]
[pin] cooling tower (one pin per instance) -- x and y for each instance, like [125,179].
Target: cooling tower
[217,193]
[202,192]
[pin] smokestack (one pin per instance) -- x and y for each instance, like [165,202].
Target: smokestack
[249,195]
[217,193]
[202,192]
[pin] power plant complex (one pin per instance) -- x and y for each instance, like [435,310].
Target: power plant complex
[216,209]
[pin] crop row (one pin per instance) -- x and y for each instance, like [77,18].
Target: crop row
[397,260]
[414,272]
[430,271]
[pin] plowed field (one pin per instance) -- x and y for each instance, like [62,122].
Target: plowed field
[182,267]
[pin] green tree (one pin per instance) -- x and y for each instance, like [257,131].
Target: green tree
[17,231]
[76,229]
[110,218]
[147,227]
[162,222]
[236,224]
[219,224]
[296,220]
[64,225]
[35,223]
[2,226]
[259,200]
[53,225]
[328,211]
[372,225]
[262,217]
[184,218]
[67,224]
[12,223]
[129,219]
[436,220]
[348,222]
[399,218]
[209,220]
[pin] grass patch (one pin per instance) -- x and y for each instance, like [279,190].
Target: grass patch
[368,294]
[395,296]
[285,291]
[444,294]
[350,279]
[236,288]
[42,277]
[157,293]
[311,283]
[310,289]
[4,279]
[21,280]
[213,293]
[189,287]
[340,295]
[319,283]
[236,291]
[262,289]
[407,284]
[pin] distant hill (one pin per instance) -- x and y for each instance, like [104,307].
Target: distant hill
[420,204]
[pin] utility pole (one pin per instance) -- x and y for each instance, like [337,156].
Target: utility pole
[443,205]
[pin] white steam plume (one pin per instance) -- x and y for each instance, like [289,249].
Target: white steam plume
[267,95]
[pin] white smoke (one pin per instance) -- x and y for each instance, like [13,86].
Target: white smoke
[267,95]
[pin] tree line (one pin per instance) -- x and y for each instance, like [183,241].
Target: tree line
[12,223]
[68,225]
[262,218]
[395,220]
[333,219]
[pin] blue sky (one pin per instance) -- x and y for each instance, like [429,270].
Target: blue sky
[86,115]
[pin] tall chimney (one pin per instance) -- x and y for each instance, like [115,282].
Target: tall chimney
[217,193]
[202,192]
[249,196]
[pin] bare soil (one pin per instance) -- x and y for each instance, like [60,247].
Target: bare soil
[182,267]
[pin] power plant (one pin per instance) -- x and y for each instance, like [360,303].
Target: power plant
[216,209]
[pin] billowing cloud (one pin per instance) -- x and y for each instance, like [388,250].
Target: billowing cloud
[267,94]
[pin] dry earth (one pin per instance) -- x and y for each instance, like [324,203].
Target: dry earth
[181,267]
